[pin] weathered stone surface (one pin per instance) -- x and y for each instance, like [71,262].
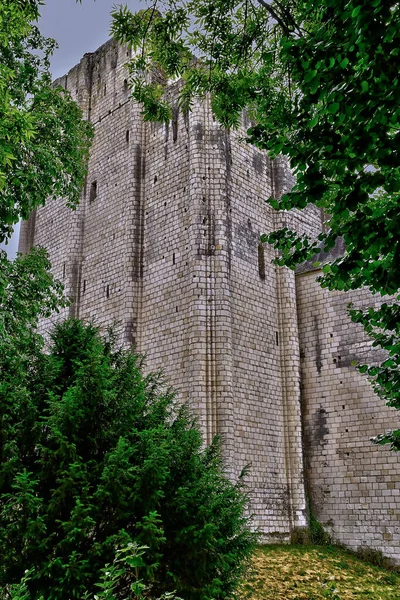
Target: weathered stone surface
[165,247]
[353,485]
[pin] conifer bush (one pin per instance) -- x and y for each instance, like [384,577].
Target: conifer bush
[96,456]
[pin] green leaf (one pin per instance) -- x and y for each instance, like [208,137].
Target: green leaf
[333,108]
[310,75]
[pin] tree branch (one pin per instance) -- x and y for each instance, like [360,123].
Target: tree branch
[274,15]
[279,19]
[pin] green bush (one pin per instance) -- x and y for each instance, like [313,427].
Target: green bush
[318,535]
[128,562]
[94,457]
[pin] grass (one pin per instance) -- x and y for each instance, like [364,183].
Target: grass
[314,573]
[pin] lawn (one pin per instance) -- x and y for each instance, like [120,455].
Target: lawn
[314,573]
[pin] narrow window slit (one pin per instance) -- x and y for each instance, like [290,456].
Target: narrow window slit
[261,262]
[93,191]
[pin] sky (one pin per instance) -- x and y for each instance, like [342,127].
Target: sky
[77,28]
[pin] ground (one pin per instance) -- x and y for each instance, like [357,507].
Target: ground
[316,572]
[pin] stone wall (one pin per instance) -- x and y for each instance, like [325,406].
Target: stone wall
[165,247]
[353,485]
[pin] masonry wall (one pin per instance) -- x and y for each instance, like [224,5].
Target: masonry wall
[353,485]
[209,304]
[165,247]
[112,201]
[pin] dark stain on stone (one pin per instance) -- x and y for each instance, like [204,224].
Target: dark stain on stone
[318,359]
[228,187]
[166,140]
[206,236]
[175,115]
[73,308]
[320,427]
[283,502]
[198,132]
[261,271]
[351,336]
[114,57]
[130,331]
[186,119]
[258,162]
[218,138]
[246,242]
[138,169]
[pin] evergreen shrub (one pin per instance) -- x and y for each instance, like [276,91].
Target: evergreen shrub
[96,456]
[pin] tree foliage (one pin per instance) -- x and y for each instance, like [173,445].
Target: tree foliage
[28,291]
[320,79]
[44,146]
[94,456]
[44,142]
[128,563]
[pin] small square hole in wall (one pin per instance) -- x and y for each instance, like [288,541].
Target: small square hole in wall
[93,191]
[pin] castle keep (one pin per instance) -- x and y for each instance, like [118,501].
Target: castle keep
[165,246]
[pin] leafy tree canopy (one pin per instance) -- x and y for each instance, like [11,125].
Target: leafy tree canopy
[320,79]
[44,142]
[44,145]
[28,291]
[94,457]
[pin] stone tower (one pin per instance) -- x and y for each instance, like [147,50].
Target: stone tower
[165,246]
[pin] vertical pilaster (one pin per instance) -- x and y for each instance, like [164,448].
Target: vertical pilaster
[210,332]
[290,366]
[291,396]
[134,248]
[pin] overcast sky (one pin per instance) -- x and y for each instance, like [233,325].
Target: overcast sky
[78,28]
